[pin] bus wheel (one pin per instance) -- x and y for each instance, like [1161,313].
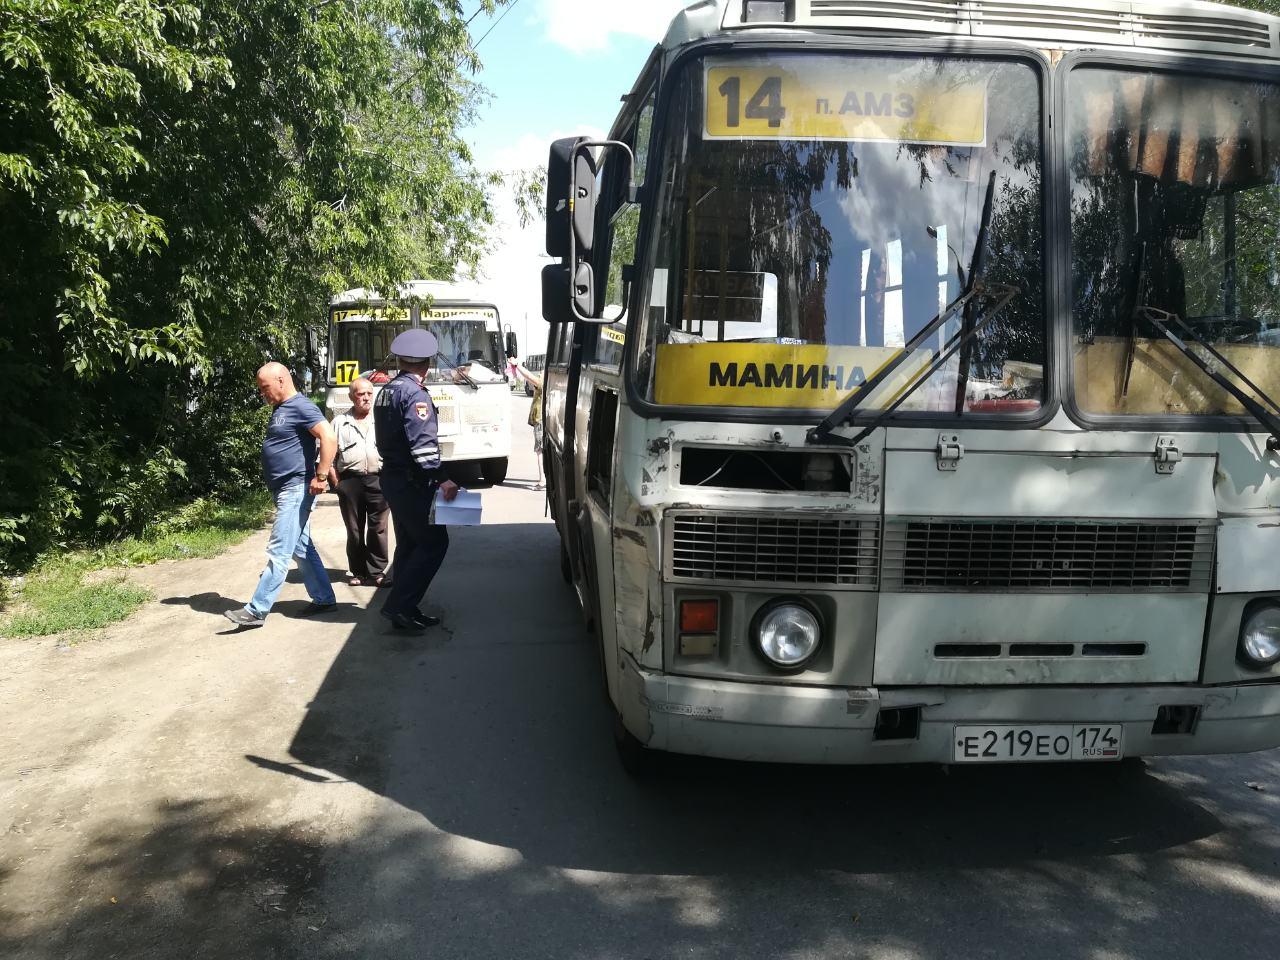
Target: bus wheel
[638,760]
[494,471]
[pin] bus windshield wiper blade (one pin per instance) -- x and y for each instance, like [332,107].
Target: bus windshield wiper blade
[457,370]
[1269,419]
[977,271]
[1002,293]
[969,327]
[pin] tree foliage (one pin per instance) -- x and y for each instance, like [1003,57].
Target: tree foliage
[182,185]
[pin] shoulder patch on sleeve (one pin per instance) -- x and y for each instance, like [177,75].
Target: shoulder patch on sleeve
[423,410]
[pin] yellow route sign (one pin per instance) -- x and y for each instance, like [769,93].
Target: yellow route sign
[800,376]
[346,372]
[836,98]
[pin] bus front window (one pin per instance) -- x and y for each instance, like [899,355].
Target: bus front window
[363,346]
[1175,205]
[817,212]
[466,346]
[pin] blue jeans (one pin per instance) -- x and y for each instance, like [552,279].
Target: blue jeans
[291,537]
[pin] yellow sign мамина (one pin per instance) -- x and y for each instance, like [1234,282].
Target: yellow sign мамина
[804,376]
[831,98]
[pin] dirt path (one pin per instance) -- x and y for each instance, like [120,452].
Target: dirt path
[327,790]
[150,804]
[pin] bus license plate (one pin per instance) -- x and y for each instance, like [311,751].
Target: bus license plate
[1038,743]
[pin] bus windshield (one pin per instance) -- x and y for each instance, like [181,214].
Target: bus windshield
[817,211]
[363,346]
[1175,205]
[466,346]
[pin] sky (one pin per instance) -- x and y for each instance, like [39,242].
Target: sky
[553,68]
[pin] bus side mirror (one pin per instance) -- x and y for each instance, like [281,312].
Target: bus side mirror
[555,294]
[557,193]
[513,345]
[571,225]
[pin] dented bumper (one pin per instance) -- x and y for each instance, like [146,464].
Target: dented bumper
[792,724]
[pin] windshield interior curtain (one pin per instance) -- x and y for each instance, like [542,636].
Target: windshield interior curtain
[1174,207]
[1201,132]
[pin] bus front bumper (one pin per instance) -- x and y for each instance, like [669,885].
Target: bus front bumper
[790,724]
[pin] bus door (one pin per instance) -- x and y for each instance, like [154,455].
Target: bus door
[596,419]
[564,429]
[597,402]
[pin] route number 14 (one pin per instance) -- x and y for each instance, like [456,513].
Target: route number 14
[765,103]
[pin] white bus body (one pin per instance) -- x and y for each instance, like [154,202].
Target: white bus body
[475,424]
[1065,543]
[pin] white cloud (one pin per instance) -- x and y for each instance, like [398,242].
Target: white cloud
[588,25]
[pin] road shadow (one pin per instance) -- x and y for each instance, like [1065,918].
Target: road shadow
[210,602]
[188,879]
[502,736]
[514,832]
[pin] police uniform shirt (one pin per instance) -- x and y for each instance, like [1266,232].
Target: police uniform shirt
[406,429]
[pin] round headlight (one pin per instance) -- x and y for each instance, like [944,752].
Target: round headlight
[1260,637]
[788,635]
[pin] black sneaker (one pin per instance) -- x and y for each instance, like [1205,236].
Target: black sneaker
[424,621]
[313,608]
[244,617]
[403,622]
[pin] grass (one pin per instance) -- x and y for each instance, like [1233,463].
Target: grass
[59,596]
[63,603]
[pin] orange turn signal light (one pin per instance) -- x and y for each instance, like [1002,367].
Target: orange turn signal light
[699,616]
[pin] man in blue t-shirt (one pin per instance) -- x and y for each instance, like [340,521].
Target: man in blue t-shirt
[295,480]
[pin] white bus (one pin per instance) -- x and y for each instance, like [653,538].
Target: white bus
[468,380]
[939,426]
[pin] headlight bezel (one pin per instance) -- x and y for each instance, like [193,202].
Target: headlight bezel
[777,603]
[1252,610]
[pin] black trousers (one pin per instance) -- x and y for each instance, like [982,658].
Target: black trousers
[420,544]
[364,511]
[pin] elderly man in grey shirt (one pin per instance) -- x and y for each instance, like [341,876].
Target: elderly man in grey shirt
[355,476]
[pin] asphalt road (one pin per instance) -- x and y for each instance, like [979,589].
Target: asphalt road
[325,789]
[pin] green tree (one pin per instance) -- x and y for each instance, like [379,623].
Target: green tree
[182,187]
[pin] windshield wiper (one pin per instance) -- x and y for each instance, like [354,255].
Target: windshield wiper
[1131,343]
[1270,419]
[977,270]
[970,327]
[1002,293]
[458,371]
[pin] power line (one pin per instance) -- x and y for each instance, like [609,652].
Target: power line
[510,7]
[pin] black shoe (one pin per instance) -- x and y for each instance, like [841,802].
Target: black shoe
[243,617]
[424,621]
[313,608]
[404,623]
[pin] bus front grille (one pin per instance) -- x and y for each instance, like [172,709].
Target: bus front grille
[447,416]
[839,551]
[1154,556]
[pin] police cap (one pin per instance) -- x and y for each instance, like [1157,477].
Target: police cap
[415,346]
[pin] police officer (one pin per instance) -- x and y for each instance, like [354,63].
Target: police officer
[406,429]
